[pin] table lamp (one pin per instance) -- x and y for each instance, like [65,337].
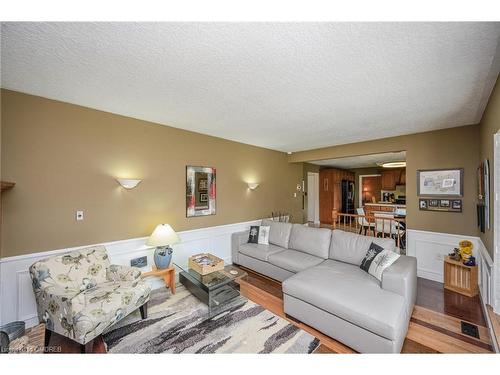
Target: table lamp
[162,237]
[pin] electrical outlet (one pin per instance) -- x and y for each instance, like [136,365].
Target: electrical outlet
[139,262]
[79,215]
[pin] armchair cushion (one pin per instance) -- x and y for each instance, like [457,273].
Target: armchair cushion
[122,273]
[79,294]
[106,305]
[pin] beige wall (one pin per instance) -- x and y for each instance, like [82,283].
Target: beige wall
[448,148]
[490,124]
[65,157]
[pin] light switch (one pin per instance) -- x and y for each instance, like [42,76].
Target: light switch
[79,215]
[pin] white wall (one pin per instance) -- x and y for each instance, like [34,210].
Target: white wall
[17,300]
[430,248]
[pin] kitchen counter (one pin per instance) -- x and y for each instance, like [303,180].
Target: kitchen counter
[386,204]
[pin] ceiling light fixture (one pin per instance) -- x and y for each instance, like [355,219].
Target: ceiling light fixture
[128,183]
[394,164]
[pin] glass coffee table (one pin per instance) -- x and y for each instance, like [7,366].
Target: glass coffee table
[218,290]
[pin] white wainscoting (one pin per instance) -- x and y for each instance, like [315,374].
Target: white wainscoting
[430,248]
[17,301]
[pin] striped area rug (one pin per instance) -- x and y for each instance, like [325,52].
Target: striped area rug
[180,324]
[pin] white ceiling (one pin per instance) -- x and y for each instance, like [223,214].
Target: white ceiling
[362,161]
[284,86]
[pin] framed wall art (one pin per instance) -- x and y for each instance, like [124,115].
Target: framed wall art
[200,191]
[440,182]
[442,205]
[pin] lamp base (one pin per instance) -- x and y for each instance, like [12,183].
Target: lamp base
[163,257]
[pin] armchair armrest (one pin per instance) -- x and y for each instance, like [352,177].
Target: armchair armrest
[117,272]
[401,278]
[238,239]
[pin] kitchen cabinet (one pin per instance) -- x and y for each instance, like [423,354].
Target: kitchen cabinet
[330,191]
[391,178]
[388,180]
[402,177]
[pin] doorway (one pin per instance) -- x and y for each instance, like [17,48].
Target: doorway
[313,197]
[369,189]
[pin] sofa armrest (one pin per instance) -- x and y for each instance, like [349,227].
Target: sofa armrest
[401,278]
[117,272]
[237,239]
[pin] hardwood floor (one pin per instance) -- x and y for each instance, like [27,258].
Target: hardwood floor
[435,326]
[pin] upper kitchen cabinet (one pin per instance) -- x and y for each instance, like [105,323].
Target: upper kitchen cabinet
[402,177]
[393,177]
[388,180]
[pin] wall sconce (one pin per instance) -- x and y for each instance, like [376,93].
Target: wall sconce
[128,183]
[252,185]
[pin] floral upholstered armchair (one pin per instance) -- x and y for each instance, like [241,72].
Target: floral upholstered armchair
[79,295]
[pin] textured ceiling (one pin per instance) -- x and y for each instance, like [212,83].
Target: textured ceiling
[284,86]
[362,161]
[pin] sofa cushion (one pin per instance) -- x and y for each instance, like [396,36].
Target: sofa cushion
[279,234]
[258,251]
[351,247]
[314,241]
[349,293]
[294,261]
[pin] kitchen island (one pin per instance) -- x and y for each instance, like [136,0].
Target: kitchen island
[385,207]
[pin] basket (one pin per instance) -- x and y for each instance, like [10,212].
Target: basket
[213,263]
[10,332]
[14,329]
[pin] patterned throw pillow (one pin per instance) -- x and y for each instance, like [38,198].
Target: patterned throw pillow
[377,260]
[259,234]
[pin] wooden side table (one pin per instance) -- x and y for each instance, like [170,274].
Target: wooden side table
[460,278]
[167,274]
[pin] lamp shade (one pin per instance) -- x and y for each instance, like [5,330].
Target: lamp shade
[163,235]
[128,183]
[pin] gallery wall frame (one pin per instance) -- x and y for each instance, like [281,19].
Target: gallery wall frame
[441,205]
[441,182]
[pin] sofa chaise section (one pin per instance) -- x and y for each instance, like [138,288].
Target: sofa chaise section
[360,313]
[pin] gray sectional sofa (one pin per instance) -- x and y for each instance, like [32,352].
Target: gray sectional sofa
[324,287]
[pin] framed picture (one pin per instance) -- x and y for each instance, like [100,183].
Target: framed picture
[200,191]
[444,203]
[440,182]
[422,203]
[433,203]
[456,204]
[440,205]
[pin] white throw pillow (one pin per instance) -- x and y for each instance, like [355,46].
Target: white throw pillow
[377,259]
[259,234]
[264,235]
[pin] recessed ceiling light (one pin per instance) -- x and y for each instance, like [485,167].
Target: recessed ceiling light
[394,164]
